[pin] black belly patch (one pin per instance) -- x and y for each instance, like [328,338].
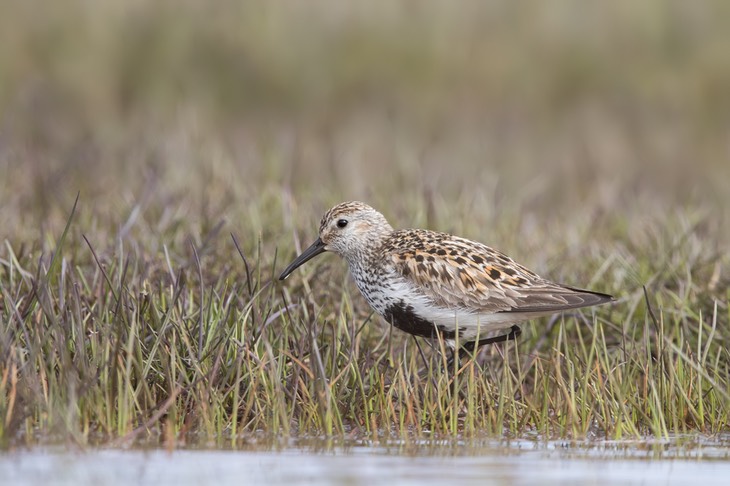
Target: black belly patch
[404,318]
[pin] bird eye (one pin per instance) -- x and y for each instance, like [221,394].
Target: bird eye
[341,223]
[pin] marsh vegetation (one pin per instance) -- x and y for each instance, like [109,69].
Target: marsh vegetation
[591,147]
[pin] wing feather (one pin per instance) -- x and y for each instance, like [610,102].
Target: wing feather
[457,273]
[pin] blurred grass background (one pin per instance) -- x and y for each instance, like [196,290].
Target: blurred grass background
[537,109]
[590,140]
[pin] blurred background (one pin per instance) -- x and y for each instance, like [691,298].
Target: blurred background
[534,126]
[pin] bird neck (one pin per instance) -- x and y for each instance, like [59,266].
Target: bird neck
[363,255]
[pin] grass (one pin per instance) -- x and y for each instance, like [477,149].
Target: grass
[115,348]
[203,155]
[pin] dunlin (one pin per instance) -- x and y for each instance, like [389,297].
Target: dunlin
[429,284]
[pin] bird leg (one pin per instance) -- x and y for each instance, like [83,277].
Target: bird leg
[469,347]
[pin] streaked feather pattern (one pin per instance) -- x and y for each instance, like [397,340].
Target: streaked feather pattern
[462,274]
[425,282]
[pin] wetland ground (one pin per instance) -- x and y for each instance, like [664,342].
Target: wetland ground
[204,142]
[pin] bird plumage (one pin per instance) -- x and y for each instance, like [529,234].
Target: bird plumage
[425,282]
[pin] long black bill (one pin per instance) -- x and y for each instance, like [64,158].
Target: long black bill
[315,249]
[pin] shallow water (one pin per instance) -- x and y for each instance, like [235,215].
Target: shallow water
[522,462]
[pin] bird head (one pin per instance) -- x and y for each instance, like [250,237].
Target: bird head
[348,229]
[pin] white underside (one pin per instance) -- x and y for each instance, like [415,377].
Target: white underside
[467,324]
[470,326]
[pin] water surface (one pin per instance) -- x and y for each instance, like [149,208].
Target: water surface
[521,462]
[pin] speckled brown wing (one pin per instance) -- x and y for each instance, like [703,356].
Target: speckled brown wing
[463,274]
